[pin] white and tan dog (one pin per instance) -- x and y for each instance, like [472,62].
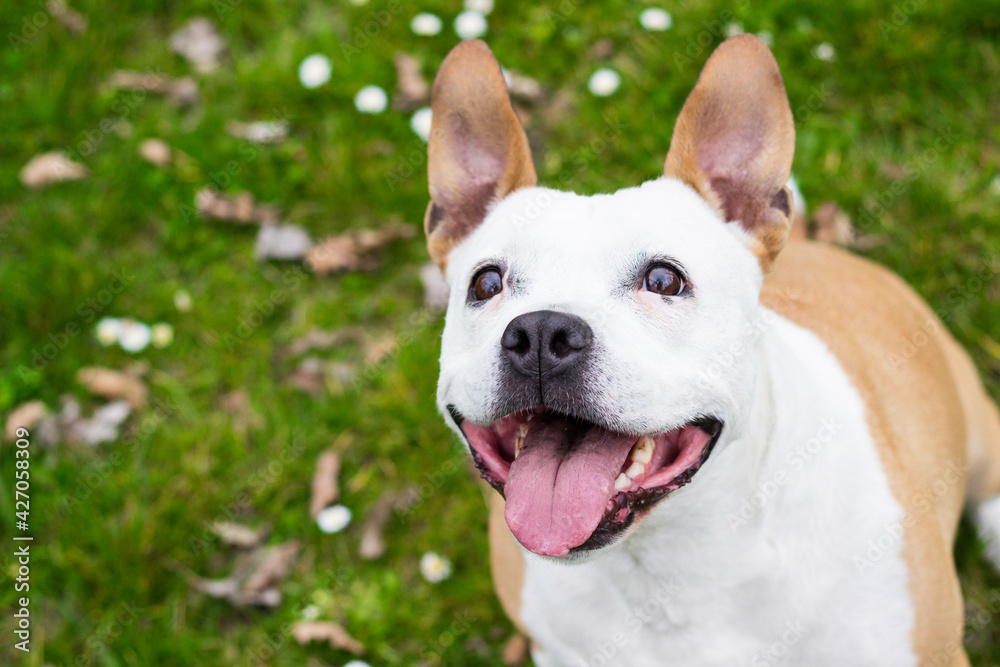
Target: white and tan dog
[708,453]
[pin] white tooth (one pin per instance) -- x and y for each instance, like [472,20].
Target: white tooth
[635,470]
[643,450]
[517,446]
[523,428]
[622,482]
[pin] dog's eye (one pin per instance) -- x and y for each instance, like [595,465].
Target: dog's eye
[487,284]
[662,279]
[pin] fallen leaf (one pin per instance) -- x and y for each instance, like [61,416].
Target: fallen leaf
[372,539]
[380,348]
[274,566]
[239,208]
[412,91]
[523,87]
[103,425]
[436,290]
[309,376]
[832,225]
[155,151]
[284,242]
[237,404]
[334,633]
[74,21]
[182,92]
[109,383]
[198,42]
[322,339]
[260,132]
[238,535]
[325,489]
[26,415]
[602,48]
[347,252]
[515,651]
[53,167]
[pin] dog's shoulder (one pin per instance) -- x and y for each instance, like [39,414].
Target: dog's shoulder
[901,359]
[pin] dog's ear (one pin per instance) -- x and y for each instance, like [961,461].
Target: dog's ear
[477,153]
[734,141]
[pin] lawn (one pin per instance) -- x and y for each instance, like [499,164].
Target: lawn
[896,107]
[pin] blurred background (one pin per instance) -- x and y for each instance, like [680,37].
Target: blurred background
[217,319]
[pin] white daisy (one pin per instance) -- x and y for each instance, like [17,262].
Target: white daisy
[371,99]
[481,6]
[182,300]
[434,568]
[334,519]
[425,24]
[356,663]
[108,330]
[421,123]
[604,82]
[766,37]
[311,613]
[162,334]
[824,52]
[656,19]
[134,336]
[469,25]
[315,71]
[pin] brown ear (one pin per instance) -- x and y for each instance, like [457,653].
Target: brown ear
[477,153]
[734,141]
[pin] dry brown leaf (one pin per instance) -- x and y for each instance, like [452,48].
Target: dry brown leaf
[515,651]
[155,151]
[199,43]
[237,404]
[380,348]
[182,92]
[74,21]
[348,252]
[283,242]
[334,633]
[274,566]
[238,535]
[325,488]
[102,426]
[412,91]
[321,339]
[602,48]
[309,376]
[239,208]
[26,415]
[53,167]
[523,87]
[372,539]
[832,225]
[109,383]
[260,132]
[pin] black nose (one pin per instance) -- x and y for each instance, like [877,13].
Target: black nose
[546,342]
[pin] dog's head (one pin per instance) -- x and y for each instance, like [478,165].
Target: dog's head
[597,348]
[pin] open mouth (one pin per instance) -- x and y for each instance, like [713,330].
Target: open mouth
[572,485]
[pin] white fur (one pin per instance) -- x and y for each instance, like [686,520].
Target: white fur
[785,588]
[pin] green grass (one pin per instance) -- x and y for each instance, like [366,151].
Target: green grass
[890,93]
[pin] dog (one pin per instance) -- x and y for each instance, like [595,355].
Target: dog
[710,445]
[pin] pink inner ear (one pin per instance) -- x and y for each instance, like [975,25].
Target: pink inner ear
[731,160]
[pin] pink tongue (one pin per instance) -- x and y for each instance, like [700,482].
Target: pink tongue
[558,488]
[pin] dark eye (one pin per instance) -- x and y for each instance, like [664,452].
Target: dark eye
[662,279]
[487,284]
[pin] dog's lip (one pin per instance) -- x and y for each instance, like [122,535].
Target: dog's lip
[494,464]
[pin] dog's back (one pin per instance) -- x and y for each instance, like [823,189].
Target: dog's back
[927,410]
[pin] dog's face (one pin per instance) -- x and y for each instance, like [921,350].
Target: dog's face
[597,348]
